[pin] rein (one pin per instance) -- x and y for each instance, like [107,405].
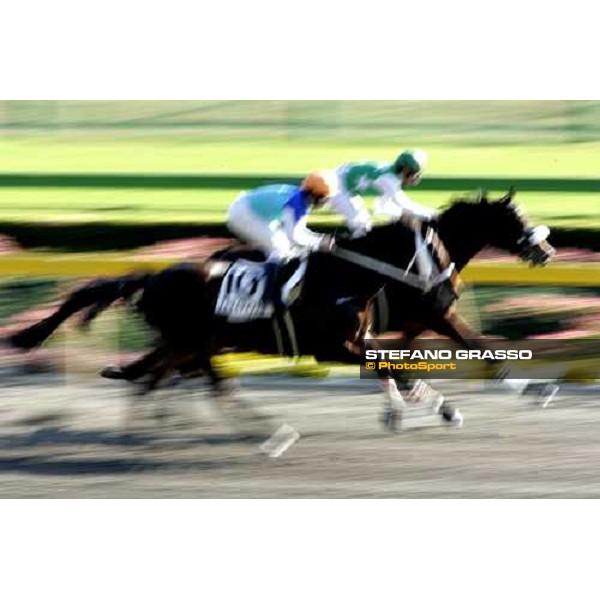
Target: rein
[392,272]
[425,281]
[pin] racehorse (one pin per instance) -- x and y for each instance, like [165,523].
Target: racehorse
[332,316]
[405,309]
[412,307]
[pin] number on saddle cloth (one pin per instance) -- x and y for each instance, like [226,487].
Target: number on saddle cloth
[241,296]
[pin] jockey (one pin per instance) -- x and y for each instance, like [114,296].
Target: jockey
[274,217]
[385,180]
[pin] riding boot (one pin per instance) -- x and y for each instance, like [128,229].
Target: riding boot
[271,293]
[292,279]
[276,275]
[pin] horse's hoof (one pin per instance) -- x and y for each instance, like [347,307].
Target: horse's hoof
[547,394]
[227,387]
[437,404]
[112,372]
[451,415]
[171,382]
[390,419]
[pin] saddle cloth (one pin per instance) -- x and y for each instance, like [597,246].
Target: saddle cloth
[241,295]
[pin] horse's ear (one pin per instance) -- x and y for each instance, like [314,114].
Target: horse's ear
[508,197]
[483,197]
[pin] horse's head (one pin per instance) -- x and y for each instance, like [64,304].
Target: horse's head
[501,224]
[511,231]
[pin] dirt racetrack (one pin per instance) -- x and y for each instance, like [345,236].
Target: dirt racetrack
[84,438]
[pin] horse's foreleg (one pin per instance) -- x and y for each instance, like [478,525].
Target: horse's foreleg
[453,326]
[352,354]
[403,392]
[456,328]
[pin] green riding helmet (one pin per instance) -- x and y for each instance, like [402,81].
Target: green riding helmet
[414,160]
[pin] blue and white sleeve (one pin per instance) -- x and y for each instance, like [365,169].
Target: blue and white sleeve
[298,232]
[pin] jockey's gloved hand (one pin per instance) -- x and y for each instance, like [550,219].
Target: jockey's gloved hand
[361,231]
[327,243]
[433,221]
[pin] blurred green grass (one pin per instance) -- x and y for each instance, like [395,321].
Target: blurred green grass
[169,154]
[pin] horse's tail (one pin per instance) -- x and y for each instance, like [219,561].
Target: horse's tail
[96,296]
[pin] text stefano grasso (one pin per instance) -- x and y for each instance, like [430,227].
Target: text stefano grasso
[497,354]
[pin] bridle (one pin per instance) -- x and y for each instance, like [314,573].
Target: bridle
[532,245]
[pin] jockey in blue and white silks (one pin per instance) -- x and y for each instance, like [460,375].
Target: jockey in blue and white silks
[273,217]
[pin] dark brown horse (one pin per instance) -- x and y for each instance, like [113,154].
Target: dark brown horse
[331,318]
[178,303]
[465,228]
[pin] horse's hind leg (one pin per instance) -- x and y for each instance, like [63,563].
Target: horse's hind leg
[133,370]
[240,413]
[201,364]
[242,416]
[156,366]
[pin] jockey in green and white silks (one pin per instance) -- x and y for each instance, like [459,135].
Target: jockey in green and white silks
[385,180]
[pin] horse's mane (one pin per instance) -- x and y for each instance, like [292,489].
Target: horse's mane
[457,205]
[460,203]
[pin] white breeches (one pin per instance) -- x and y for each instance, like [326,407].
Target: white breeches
[267,235]
[353,209]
